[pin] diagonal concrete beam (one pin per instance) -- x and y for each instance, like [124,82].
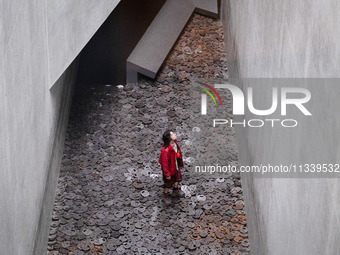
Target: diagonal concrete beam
[207,7]
[156,43]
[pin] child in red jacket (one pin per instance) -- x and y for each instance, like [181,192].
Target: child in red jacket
[171,161]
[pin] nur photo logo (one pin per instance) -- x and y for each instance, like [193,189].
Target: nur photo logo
[283,97]
[204,96]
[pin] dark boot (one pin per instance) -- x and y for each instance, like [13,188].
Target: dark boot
[177,192]
[166,198]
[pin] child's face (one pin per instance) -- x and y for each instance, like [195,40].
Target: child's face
[173,135]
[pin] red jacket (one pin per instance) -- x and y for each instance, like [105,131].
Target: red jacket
[167,160]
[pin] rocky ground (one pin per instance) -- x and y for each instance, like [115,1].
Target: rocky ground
[109,191]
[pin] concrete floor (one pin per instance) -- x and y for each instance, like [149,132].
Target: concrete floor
[109,192]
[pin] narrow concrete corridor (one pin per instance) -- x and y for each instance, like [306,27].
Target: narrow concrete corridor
[110,185]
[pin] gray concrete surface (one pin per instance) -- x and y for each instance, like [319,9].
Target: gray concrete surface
[38,40]
[103,59]
[61,94]
[71,24]
[289,39]
[156,43]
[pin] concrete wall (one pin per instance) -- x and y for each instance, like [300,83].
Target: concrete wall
[282,39]
[38,40]
[103,60]
[71,24]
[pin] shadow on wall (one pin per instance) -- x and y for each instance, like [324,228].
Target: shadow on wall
[103,60]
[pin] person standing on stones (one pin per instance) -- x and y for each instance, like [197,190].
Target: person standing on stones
[171,161]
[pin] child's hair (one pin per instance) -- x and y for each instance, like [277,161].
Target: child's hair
[166,138]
